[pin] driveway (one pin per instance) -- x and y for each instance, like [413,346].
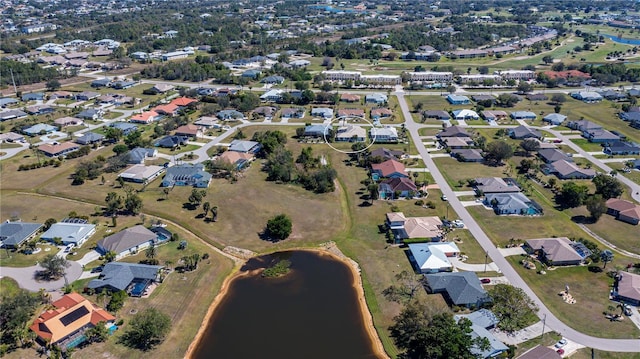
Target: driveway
[522,335]
[88,258]
[473,267]
[26,277]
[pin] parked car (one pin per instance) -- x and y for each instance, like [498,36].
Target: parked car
[444,198]
[485,280]
[562,342]
[457,223]
[560,351]
[69,248]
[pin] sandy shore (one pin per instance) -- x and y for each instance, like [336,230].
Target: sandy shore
[328,249]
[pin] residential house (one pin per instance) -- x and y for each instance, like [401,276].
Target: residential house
[453,131]
[481,321]
[12,114]
[36,96]
[167,109]
[324,112]
[465,115]
[162,88]
[587,96]
[558,251]
[388,169]
[251,73]
[524,132]
[433,257]
[11,137]
[189,131]
[458,99]
[377,98]
[125,127]
[511,203]
[265,111]
[273,95]
[39,129]
[40,109]
[91,114]
[87,96]
[427,228]
[484,98]
[139,173]
[623,210]
[437,114]
[613,95]
[130,277]
[487,185]
[387,134]
[70,233]
[105,82]
[457,142]
[347,97]
[351,112]
[386,154]
[628,288]
[89,138]
[351,133]
[622,148]
[523,115]
[145,117]
[187,175]
[14,234]
[208,122]
[128,241]
[394,188]
[378,113]
[68,121]
[230,115]
[494,115]
[460,288]
[299,63]
[540,352]
[65,325]
[317,131]
[550,155]
[182,101]
[6,101]
[239,159]
[123,85]
[467,154]
[630,116]
[272,80]
[171,141]
[58,149]
[568,170]
[244,146]
[138,155]
[554,119]
[292,112]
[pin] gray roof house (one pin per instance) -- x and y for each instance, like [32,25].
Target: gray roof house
[323,112]
[38,129]
[512,203]
[622,148]
[125,127]
[127,241]
[555,251]
[437,114]
[171,141]
[550,155]
[227,115]
[13,234]
[11,114]
[70,233]
[554,118]
[117,276]
[488,185]
[453,131]
[568,170]
[467,154]
[316,130]
[522,132]
[138,155]
[187,175]
[459,288]
[523,115]
[89,138]
[244,146]
[378,98]
[481,321]
[91,114]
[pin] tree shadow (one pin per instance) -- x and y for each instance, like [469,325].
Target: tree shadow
[265,236]
[189,206]
[582,219]
[365,202]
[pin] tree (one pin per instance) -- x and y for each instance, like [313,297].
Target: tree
[423,335]
[529,145]
[214,213]
[558,98]
[512,307]
[607,186]
[279,227]
[48,223]
[526,165]
[205,208]
[15,312]
[405,290]
[499,150]
[524,87]
[110,256]
[373,192]
[547,60]
[120,149]
[114,202]
[151,251]
[572,195]
[597,206]
[117,301]
[98,333]
[147,329]
[606,256]
[133,203]
[53,266]
[53,85]
[197,196]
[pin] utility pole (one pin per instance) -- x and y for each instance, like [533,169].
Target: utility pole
[486,255]
[543,323]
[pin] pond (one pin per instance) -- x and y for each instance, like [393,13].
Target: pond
[311,312]
[621,40]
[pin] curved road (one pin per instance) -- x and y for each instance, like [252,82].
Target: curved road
[613,345]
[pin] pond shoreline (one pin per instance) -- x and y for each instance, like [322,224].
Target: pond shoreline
[328,249]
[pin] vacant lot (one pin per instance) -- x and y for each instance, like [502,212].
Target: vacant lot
[455,171]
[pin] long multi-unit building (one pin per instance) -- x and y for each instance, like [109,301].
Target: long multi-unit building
[338,75]
[516,74]
[431,76]
[381,79]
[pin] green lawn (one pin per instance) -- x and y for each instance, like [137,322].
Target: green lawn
[19,259]
[587,146]
[8,287]
[454,171]
[181,149]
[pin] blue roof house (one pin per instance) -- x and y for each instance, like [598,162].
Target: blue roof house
[14,234]
[36,96]
[458,99]
[377,98]
[523,115]
[39,129]
[244,146]
[70,233]
[125,127]
[481,321]
[253,74]
[554,118]
[316,130]
[132,277]
[187,175]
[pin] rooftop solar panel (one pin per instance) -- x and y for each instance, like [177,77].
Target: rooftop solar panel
[75,315]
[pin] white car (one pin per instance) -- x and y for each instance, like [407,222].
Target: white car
[562,342]
[444,198]
[457,223]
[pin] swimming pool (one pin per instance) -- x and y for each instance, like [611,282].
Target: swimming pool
[138,289]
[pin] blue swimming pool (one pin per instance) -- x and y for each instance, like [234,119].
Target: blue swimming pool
[138,289]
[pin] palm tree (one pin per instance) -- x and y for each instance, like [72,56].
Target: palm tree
[168,263]
[214,213]
[151,251]
[205,208]
[606,256]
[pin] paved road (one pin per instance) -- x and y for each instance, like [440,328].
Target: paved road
[614,345]
[26,277]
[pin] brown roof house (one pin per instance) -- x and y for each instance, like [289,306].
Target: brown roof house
[623,210]
[394,188]
[628,288]
[388,169]
[428,228]
[65,325]
[557,251]
[540,352]
[127,241]
[191,131]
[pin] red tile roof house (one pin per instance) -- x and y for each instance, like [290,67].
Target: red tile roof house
[394,188]
[388,169]
[189,130]
[623,210]
[65,325]
[183,101]
[145,117]
[168,109]
[347,97]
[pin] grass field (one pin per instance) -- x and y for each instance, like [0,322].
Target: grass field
[454,171]
[8,287]
[587,146]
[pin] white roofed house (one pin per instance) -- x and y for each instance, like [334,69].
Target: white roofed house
[433,257]
[351,133]
[386,134]
[70,233]
[127,241]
